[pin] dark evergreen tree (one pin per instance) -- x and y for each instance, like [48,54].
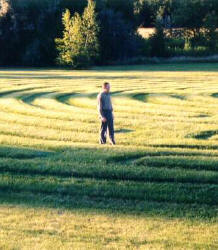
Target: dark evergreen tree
[8,34]
[211,34]
[117,37]
[157,41]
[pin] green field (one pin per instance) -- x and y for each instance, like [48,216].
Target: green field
[156,189]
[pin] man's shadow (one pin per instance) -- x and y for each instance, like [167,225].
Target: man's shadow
[123,131]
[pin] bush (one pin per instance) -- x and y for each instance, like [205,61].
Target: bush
[197,41]
[81,60]
[175,43]
[193,52]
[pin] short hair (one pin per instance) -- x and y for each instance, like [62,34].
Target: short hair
[105,84]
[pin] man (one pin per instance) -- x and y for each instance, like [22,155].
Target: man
[105,110]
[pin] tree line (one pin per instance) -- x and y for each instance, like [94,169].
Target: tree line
[81,33]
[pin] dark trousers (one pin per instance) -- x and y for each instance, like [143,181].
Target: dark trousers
[109,124]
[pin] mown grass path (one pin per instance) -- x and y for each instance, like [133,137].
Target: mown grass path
[157,189]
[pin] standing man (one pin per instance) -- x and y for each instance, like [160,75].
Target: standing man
[105,110]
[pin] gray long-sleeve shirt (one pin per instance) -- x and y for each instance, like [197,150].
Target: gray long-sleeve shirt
[104,102]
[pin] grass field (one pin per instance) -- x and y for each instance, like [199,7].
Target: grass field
[157,189]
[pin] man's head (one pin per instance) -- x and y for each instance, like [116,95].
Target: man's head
[106,87]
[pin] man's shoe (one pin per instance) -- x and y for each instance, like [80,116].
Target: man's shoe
[102,143]
[112,142]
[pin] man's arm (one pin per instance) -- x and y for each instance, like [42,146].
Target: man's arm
[112,109]
[100,106]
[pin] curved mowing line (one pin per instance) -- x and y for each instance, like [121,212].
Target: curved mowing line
[182,193]
[59,101]
[23,153]
[6,110]
[132,157]
[10,92]
[165,108]
[71,119]
[180,97]
[123,176]
[49,126]
[177,163]
[25,156]
[59,127]
[215,95]
[206,147]
[143,97]
[204,135]
[202,116]
[53,127]
[21,135]
[64,98]
[156,117]
[30,98]
[168,160]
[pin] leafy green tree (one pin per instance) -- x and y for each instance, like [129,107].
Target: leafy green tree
[79,46]
[90,30]
[65,44]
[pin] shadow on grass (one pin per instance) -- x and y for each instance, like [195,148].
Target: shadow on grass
[203,135]
[94,179]
[17,73]
[185,146]
[58,77]
[123,131]
[6,93]
[215,95]
[171,67]
[22,153]
[110,206]
[143,97]
[30,97]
